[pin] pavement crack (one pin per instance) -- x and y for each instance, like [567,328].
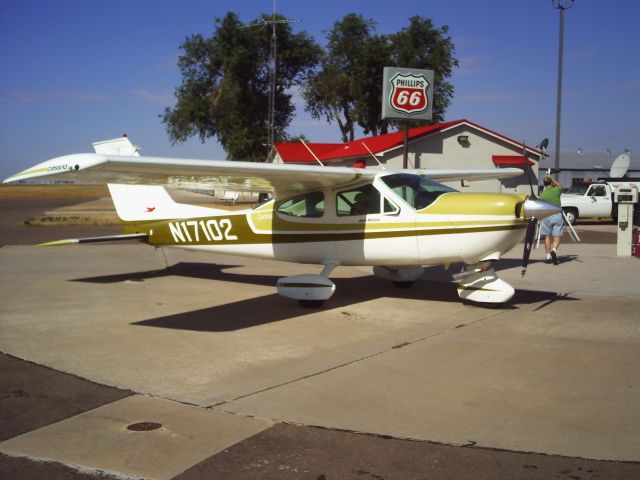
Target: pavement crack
[354,361]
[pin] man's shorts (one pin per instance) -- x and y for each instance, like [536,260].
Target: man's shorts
[552,226]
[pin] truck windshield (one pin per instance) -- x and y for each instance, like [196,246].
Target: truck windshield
[418,192]
[578,189]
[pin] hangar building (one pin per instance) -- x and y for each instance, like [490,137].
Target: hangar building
[449,145]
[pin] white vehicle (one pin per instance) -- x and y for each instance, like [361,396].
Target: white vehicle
[588,200]
[597,199]
[593,200]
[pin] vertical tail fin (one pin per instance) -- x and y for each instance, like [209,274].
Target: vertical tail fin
[117,146]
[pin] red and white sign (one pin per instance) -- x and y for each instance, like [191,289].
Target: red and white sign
[409,93]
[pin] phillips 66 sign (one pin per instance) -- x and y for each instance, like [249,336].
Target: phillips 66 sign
[407,93]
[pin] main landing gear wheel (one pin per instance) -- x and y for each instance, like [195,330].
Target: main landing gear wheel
[311,303]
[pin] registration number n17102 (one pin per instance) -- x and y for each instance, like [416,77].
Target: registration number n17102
[194,230]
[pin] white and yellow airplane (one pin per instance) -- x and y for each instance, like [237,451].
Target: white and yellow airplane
[395,221]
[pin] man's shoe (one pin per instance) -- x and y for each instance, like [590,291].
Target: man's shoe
[554,257]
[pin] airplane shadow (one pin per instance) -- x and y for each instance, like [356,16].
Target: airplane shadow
[507,263]
[271,308]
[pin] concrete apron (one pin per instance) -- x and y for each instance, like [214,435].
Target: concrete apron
[140,437]
[553,374]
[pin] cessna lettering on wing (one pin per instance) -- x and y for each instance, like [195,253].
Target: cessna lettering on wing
[199,230]
[57,168]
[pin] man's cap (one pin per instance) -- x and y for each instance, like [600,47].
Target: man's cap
[547,181]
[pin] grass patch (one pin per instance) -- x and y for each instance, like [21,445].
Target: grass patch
[87,192]
[102,220]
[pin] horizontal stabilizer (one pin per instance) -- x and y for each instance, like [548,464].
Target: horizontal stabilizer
[108,238]
[151,202]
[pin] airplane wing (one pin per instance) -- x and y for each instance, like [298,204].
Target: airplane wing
[280,179]
[185,173]
[451,175]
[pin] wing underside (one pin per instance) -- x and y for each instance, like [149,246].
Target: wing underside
[280,179]
[186,173]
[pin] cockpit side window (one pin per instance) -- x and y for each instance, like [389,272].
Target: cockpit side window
[308,205]
[419,192]
[365,200]
[358,201]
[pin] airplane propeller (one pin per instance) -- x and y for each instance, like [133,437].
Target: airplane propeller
[533,221]
[534,209]
[528,243]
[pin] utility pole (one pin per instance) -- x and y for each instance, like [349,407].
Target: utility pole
[560,5]
[272,79]
[272,69]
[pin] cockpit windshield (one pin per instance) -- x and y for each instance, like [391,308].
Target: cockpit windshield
[419,192]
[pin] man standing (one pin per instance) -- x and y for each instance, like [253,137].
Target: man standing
[551,227]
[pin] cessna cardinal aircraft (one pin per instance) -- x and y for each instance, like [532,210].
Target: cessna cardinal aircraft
[396,221]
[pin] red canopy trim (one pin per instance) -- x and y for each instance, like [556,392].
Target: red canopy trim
[511,160]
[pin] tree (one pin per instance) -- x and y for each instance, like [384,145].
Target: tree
[339,90]
[347,88]
[225,85]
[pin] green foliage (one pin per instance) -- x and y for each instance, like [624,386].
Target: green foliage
[225,85]
[225,79]
[422,45]
[347,88]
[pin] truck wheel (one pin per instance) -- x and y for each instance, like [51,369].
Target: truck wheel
[571,214]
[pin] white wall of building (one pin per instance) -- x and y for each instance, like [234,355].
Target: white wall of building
[444,151]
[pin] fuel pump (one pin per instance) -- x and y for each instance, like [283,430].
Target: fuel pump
[626,198]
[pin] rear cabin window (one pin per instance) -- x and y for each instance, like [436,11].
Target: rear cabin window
[308,205]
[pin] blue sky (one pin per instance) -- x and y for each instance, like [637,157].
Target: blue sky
[79,71]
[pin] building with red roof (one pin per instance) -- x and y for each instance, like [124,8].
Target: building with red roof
[456,144]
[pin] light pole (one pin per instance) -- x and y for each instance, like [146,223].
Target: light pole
[561,5]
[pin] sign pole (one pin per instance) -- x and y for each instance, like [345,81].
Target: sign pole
[405,147]
[407,94]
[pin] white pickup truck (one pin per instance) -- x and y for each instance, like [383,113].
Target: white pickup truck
[593,200]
